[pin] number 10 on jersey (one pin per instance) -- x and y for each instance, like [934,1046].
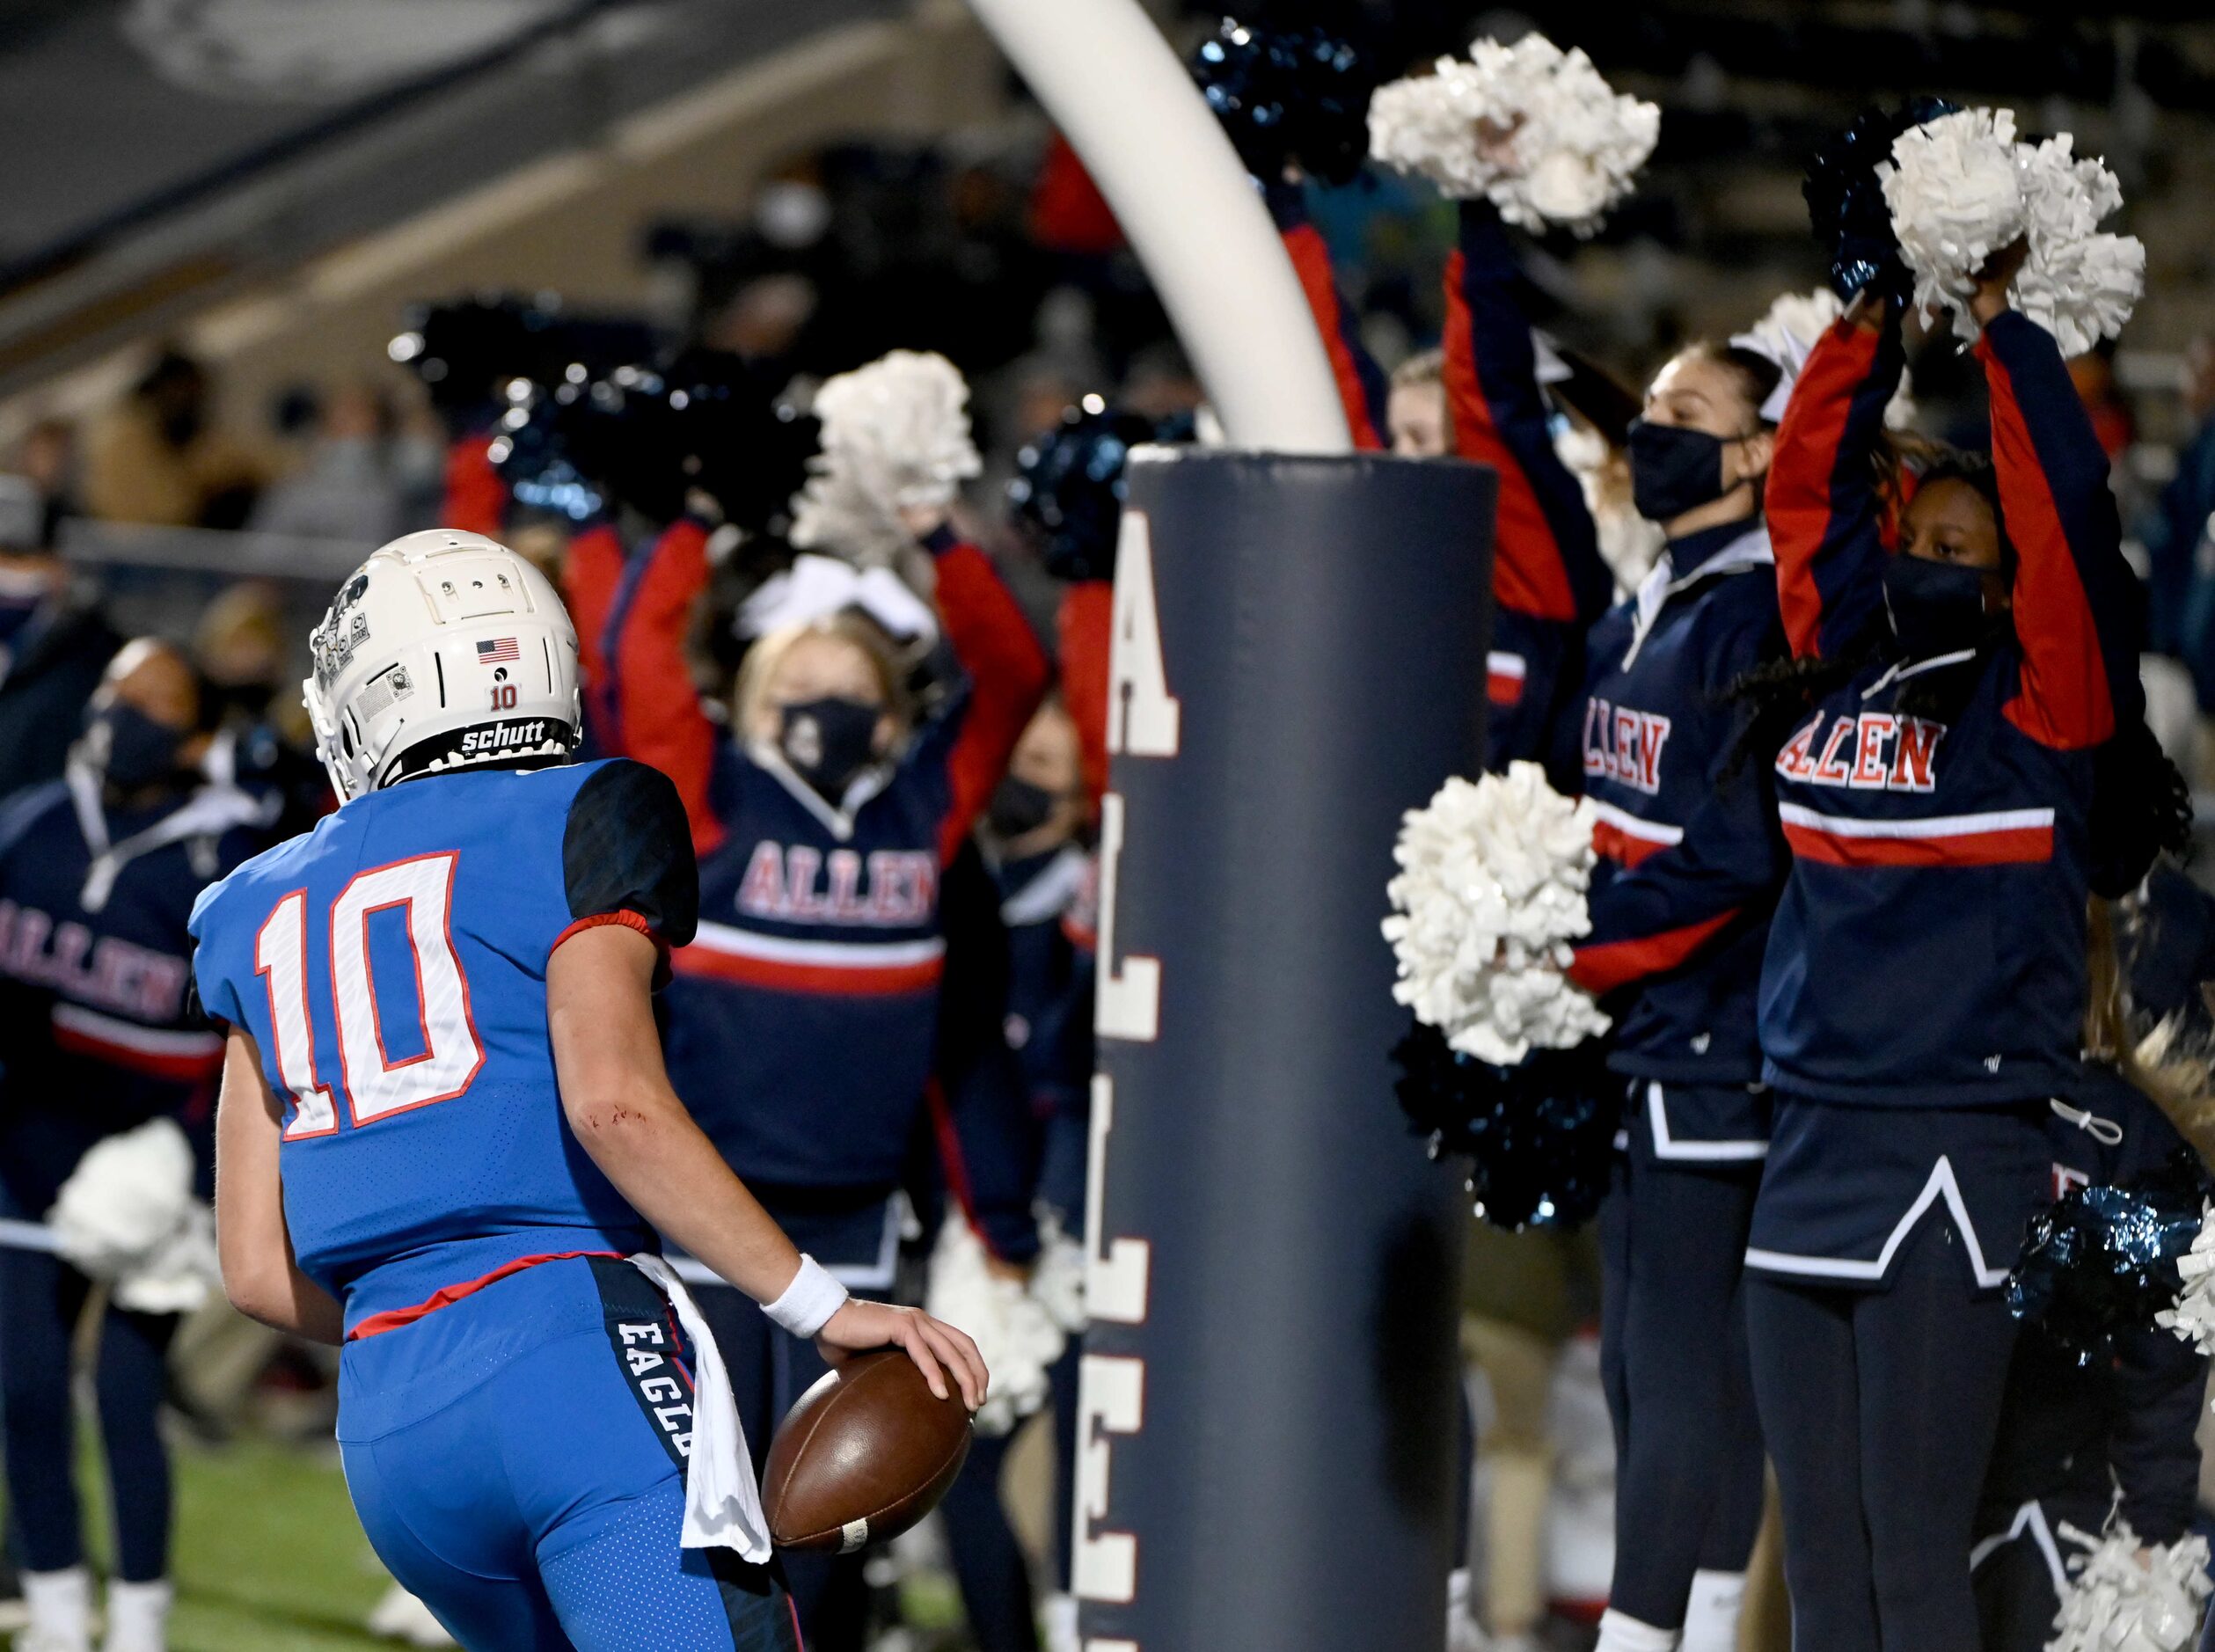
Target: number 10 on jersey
[447,1054]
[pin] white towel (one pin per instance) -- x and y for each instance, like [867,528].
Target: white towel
[722,1502]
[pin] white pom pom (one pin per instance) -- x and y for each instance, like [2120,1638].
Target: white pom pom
[1534,129]
[180,1274]
[2125,1597]
[895,433]
[2193,1318]
[1014,1334]
[1960,187]
[2078,283]
[1956,199]
[1057,1277]
[832,514]
[1490,892]
[127,1198]
[1787,333]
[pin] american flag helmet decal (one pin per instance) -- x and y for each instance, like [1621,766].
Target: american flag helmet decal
[498,651]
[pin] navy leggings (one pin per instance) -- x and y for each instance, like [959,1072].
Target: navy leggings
[1880,1408]
[41,1301]
[988,1561]
[1673,1356]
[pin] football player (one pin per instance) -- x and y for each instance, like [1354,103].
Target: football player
[446,1139]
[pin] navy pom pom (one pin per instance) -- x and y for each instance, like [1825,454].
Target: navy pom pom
[1847,202]
[1289,94]
[1069,486]
[2100,1262]
[649,437]
[1539,1135]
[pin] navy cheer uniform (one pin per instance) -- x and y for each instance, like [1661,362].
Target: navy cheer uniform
[2077,1443]
[1044,901]
[803,1018]
[992,1145]
[1679,973]
[514,1399]
[1924,990]
[97,1034]
[1048,904]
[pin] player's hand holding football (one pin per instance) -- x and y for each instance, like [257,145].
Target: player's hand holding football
[936,1348]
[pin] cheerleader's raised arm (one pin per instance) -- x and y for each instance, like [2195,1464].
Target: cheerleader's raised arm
[1826,515]
[2076,604]
[1546,555]
[1361,387]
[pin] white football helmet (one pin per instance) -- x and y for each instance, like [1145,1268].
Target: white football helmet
[444,649]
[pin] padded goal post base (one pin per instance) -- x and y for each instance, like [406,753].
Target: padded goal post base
[1270,1424]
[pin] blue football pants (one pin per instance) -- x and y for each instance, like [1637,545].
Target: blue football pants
[513,1456]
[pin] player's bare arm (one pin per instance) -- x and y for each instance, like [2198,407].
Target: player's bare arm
[616,1096]
[260,1276]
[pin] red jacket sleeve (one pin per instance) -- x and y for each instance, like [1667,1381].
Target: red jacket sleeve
[1826,518]
[1087,624]
[631,614]
[1008,678]
[1361,387]
[1546,558]
[2075,605]
[475,499]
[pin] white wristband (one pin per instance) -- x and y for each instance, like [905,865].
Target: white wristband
[808,1302]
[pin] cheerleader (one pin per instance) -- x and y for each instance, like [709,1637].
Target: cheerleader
[1549,583]
[1924,991]
[1029,876]
[803,1020]
[98,873]
[981,1176]
[1048,886]
[1657,739]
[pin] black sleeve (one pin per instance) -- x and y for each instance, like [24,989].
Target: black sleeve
[627,848]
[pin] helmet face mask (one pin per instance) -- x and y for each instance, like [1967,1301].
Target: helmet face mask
[444,650]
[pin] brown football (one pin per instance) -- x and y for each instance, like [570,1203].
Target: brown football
[863,1455]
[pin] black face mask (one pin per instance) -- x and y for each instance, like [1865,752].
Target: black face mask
[828,742]
[131,750]
[1935,607]
[1673,470]
[1018,809]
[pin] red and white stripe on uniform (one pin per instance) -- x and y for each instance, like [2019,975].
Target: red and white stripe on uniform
[1619,835]
[782,964]
[1996,838]
[184,1056]
[1503,675]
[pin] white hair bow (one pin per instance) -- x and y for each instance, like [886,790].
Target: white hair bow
[816,586]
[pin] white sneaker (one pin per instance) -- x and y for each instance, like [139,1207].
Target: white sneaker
[1061,1624]
[47,1641]
[137,1617]
[1462,1634]
[399,1616]
[61,1611]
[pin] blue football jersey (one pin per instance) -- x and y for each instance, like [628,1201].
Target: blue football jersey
[391,966]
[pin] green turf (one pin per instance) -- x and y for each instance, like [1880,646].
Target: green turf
[268,1556]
